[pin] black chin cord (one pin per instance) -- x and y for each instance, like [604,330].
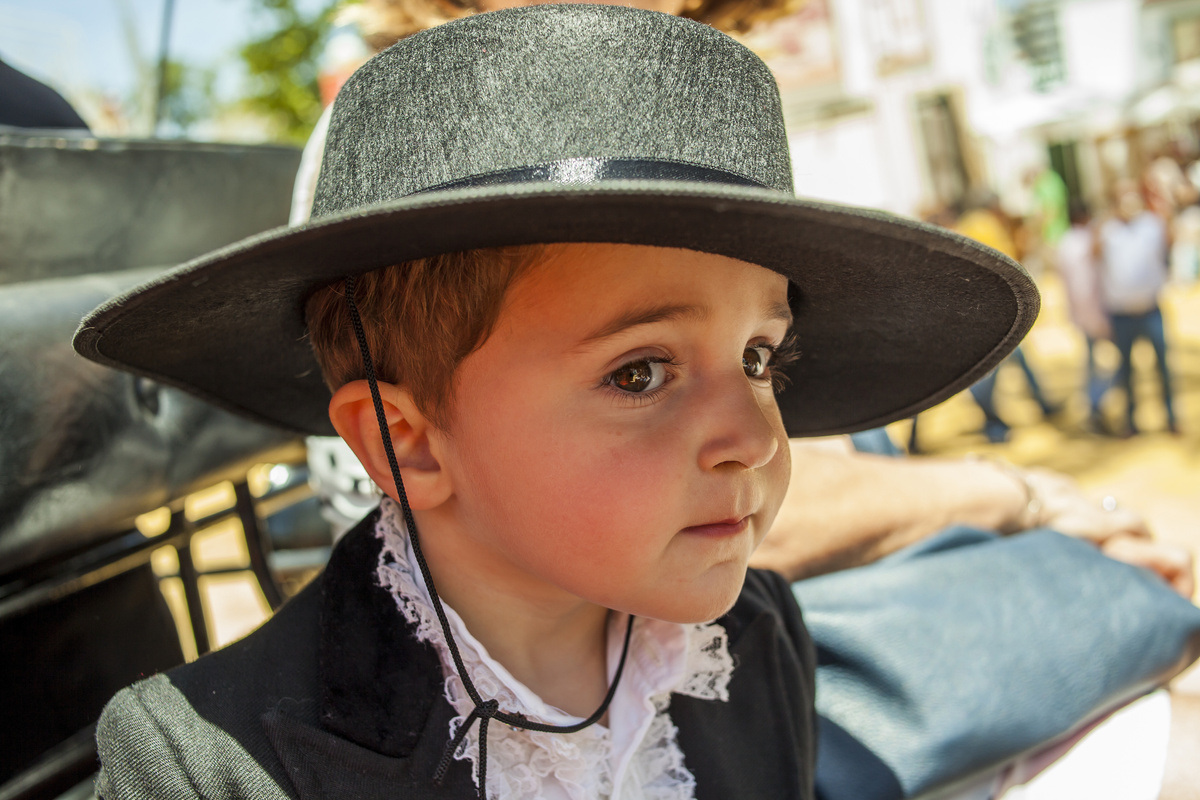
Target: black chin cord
[484,710]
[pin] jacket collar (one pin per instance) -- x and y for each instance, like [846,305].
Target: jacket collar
[383,719]
[378,682]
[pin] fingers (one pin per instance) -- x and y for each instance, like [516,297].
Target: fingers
[1066,509]
[1087,520]
[1172,563]
[1124,521]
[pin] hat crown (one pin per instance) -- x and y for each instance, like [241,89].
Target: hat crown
[514,89]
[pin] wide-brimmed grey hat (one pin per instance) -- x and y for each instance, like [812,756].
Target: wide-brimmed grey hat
[578,123]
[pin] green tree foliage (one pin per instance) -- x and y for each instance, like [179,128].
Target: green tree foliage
[283,67]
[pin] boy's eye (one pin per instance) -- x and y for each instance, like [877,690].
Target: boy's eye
[638,377]
[755,361]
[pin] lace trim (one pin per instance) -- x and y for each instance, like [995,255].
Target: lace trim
[521,763]
[709,664]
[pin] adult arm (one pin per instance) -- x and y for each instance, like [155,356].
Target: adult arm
[844,509]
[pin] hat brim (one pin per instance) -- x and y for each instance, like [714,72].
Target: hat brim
[892,316]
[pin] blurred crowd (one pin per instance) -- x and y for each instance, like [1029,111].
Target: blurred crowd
[1114,261]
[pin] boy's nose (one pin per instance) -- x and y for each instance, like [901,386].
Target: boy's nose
[742,427]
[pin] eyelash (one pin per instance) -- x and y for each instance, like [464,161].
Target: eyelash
[782,354]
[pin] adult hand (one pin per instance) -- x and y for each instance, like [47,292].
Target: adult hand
[1118,532]
[1066,509]
[1172,563]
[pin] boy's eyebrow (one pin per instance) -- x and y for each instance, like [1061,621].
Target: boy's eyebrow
[661,313]
[781,311]
[645,315]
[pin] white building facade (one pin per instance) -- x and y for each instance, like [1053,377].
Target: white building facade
[907,104]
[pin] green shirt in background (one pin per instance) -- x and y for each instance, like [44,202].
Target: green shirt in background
[1050,202]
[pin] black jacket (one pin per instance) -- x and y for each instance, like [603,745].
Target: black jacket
[334,697]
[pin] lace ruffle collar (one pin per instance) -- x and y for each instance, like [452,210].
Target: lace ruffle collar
[637,756]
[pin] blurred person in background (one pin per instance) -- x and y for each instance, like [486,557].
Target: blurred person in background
[1172,194]
[987,223]
[844,508]
[1167,187]
[1132,246]
[1185,245]
[1049,219]
[1185,229]
[1081,279]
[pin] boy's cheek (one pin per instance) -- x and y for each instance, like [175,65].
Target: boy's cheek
[777,477]
[781,464]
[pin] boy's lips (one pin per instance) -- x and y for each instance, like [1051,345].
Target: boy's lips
[724,527]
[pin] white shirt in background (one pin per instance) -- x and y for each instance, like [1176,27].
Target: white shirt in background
[1134,263]
[1081,278]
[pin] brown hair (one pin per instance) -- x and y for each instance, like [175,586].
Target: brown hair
[739,16]
[421,319]
[385,22]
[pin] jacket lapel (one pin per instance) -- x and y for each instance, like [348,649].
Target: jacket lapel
[383,720]
[324,766]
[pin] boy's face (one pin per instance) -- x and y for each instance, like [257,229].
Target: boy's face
[1129,204]
[615,438]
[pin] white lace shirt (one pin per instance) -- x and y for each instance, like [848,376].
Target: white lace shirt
[637,757]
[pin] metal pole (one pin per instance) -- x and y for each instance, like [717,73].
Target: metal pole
[191,581]
[257,545]
[164,44]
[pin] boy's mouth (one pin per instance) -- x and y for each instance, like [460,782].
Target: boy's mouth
[724,527]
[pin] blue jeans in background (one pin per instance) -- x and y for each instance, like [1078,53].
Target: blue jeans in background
[1097,383]
[984,392]
[1127,329]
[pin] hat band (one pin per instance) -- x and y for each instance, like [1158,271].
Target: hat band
[597,170]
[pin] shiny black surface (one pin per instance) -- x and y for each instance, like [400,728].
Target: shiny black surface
[75,205]
[83,448]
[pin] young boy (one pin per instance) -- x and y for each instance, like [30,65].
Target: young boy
[554,262]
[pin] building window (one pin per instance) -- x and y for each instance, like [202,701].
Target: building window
[896,33]
[1185,38]
[1065,161]
[942,134]
[1034,27]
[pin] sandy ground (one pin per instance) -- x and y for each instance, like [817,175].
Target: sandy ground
[1155,473]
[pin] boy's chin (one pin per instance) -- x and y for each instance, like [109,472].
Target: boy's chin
[699,607]
[699,618]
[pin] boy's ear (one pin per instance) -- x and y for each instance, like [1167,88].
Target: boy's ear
[353,416]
